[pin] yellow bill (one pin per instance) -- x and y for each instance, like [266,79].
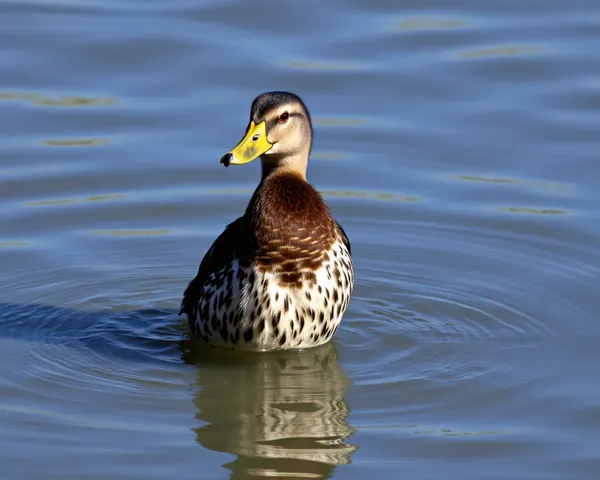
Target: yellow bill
[252,146]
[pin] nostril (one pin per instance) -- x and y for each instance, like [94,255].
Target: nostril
[226,159]
[255,137]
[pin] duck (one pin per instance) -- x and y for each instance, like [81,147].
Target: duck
[280,277]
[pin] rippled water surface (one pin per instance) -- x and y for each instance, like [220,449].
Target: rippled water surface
[457,143]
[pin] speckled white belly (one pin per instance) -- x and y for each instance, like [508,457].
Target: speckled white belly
[246,309]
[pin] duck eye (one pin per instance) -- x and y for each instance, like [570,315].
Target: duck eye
[284,117]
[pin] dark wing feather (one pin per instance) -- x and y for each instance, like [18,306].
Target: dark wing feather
[220,254]
[344,237]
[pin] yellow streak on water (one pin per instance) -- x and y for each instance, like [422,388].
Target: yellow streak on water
[547,187]
[71,201]
[506,51]
[81,142]
[534,211]
[371,195]
[63,101]
[424,23]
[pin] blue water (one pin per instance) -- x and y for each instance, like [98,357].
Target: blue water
[456,143]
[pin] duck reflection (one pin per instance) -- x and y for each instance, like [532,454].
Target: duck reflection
[282,414]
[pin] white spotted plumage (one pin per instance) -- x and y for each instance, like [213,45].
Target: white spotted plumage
[251,310]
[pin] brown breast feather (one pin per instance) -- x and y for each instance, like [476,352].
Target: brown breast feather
[292,228]
[287,229]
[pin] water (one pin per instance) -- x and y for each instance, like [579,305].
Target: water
[457,144]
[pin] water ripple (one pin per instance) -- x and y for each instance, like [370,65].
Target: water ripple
[63,101]
[504,51]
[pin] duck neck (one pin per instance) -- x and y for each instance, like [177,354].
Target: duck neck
[295,164]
